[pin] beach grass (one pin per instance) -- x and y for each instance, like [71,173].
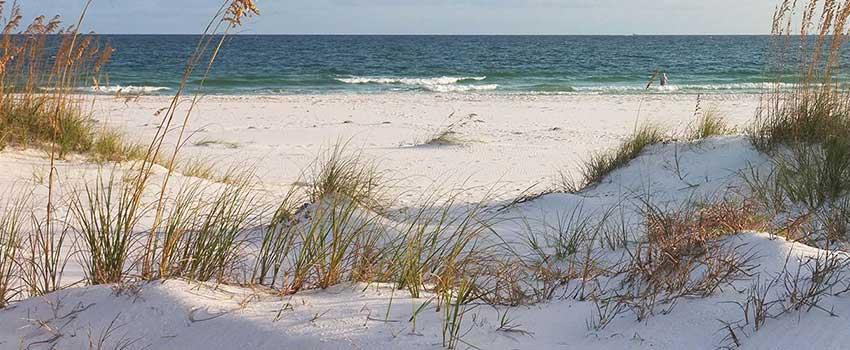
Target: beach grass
[710,122]
[805,128]
[341,172]
[106,217]
[601,164]
[41,68]
[12,236]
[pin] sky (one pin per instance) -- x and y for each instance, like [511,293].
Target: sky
[427,16]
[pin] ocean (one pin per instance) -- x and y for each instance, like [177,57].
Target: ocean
[298,64]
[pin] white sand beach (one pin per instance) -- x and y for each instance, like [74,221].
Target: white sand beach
[508,143]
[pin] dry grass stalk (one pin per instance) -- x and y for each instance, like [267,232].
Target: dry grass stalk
[229,16]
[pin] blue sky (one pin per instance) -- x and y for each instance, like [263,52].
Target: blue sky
[431,16]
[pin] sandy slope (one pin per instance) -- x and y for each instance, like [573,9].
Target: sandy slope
[176,314]
[514,142]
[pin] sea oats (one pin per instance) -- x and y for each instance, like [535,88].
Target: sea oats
[239,9]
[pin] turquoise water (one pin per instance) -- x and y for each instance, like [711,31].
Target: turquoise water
[439,64]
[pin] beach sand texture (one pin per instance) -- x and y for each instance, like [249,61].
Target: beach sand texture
[507,143]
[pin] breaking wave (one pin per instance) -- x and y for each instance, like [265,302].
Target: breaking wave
[436,84]
[129,89]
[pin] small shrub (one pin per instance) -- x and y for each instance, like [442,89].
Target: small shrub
[813,279]
[682,256]
[448,135]
[445,137]
[222,143]
[689,230]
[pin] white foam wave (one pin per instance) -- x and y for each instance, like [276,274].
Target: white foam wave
[738,86]
[408,81]
[436,84]
[129,89]
[686,87]
[461,88]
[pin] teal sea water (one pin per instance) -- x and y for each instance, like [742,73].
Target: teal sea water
[468,64]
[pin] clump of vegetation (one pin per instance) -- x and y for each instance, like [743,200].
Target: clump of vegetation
[437,244]
[182,218]
[278,241]
[816,174]
[40,68]
[220,143]
[342,173]
[812,112]
[816,107]
[106,216]
[111,146]
[805,128]
[710,122]
[683,255]
[448,135]
[201,168]
[12,220]
[208,249]
[601,164]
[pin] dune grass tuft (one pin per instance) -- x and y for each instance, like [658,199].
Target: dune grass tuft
[199,167]
[112,146]
[448,135]
[710,122]
[601,164]
[12,220]
[209,248]
[106,216]
[339,172]
[807,115]
[45,254]
[220,143]
[445,137]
